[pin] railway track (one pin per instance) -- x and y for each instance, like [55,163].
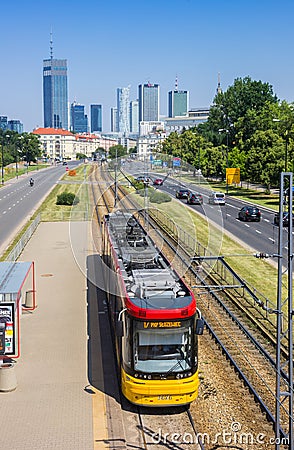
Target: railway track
[236,341]
[156,428]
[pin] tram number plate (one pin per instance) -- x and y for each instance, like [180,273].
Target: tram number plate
[164,397]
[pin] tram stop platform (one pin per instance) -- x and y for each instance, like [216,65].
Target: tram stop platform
[54,406]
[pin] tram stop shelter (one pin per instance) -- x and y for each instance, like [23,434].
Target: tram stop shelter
[17,292]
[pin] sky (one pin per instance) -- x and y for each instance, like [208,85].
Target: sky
[111,44]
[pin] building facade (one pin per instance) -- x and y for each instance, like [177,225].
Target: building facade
[96,118]
[15,125]
[60,145]
[123,110]
[3,122]
[78,118]
[178,103]
[55,93]
[148,102]
[134,117]
[113,120]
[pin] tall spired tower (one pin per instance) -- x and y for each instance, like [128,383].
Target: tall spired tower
[55,93]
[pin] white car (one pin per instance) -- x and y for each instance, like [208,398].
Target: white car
[217,198]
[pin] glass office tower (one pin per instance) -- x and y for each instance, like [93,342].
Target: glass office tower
[149,102]
[178,103]
[78,118]
[96,118]
[55,95]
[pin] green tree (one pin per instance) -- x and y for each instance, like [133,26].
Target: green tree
[116,151]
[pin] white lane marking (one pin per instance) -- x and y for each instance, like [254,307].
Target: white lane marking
[271,239]
[4,212]
[257,231]
[246,225]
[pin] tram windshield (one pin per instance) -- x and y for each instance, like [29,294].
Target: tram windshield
[159,349]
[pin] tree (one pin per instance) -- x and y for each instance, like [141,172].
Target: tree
[116,151]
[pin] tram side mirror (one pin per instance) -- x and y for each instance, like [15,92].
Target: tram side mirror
[199,326]
[119,328]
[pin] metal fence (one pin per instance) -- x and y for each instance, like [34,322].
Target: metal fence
[26,236]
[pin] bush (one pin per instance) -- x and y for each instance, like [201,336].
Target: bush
[67,198]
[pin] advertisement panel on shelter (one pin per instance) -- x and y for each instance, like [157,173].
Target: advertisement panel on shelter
[7,329]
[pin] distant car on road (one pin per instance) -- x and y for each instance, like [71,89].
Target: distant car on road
[182,193]
[194,198]
[158,182]
[285,219]
[249,214]
[143,179]
[217,198]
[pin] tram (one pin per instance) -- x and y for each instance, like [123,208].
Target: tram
[154,315]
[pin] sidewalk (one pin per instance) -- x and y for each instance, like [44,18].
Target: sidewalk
[51,407]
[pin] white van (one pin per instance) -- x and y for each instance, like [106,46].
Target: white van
[217,198]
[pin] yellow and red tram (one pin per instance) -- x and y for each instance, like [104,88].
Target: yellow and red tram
[154,315]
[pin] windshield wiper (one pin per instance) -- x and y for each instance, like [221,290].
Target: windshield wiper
[178,364]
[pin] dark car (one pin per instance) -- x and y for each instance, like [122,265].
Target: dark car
[194,198]
[182,193]
[285,219]
[158,182]
[250,214]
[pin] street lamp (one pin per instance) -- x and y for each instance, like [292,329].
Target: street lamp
[227,153]
[2,165]
[20,138]
[286,144]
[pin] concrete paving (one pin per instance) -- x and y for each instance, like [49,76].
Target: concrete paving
[52,406]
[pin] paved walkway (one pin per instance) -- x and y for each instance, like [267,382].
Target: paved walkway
[52,406]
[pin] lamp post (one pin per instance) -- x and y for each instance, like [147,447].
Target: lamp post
[227,155]
[2,165]
[7,136]
[286,144]
[20,138]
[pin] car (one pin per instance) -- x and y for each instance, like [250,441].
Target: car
[285,219]
[217,198]
[249,214]
[182,193]
[194,198]
[143,179]
[158,182]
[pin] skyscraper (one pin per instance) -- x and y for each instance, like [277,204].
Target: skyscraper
[78,118]
[96,118]
[149,102]
[178,103]
[134,116]
[113,120]
[123,113]
[55,95]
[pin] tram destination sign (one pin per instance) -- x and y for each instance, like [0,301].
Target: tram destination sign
[163,324]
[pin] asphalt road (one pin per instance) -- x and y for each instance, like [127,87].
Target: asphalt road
[18,200]
[261,237]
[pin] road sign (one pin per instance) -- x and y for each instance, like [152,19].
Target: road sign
[157,162]
[233,175]
[176,162]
